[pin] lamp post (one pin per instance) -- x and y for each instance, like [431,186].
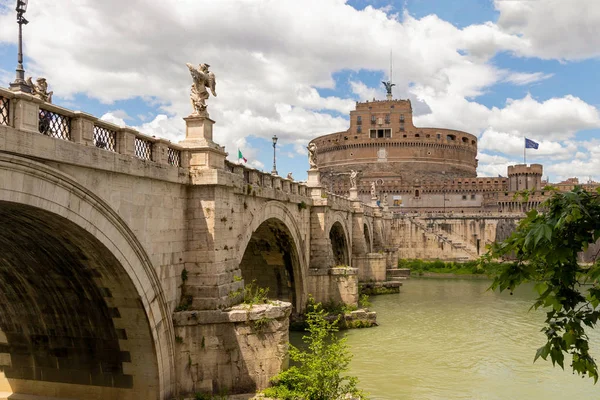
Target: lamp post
[19,84]
[274,172]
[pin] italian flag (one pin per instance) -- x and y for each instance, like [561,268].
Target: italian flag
[241,156]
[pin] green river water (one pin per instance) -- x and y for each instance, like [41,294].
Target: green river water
[452,339]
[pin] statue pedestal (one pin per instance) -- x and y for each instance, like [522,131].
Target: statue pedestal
[353,194]
[199,130]
[204,153]
[374,202]
[314,178]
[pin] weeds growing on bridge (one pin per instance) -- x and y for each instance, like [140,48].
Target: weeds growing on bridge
[251,294]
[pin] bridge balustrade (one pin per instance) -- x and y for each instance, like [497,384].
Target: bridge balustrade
[4,110]
[54,123]
[105,138]
[174,157]
[143,148]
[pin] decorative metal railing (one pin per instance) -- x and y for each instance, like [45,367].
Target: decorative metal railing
[4,110]
[143,149]
[54,124]
[174,157]
[105,138]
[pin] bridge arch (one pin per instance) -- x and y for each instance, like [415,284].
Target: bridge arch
[272,252]
[82,312]
[340,240]
[368,235]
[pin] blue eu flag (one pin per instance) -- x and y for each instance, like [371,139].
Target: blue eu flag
[530,144]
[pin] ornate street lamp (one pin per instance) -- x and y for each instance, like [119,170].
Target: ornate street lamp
[274,172]
[19,84]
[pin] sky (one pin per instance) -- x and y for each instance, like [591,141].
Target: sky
[502,70]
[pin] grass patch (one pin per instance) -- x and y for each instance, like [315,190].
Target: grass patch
[476,267]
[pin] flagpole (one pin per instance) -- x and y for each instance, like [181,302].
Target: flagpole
[525,152]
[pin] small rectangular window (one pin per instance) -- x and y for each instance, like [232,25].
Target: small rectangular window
[373,120]
[379,133]
[387,133]
[464,196]
[359,120]
[472,197]
[439,136]
[387,118]
[359,129]
[401,117]
[373,133]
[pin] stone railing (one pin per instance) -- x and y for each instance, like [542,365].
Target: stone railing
[338,201]
[256,178]
[4,110]
[19,110]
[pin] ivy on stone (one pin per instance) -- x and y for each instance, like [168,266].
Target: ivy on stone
[545,248]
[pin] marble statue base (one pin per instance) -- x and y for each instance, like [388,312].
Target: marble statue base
[353,194]
[314,178]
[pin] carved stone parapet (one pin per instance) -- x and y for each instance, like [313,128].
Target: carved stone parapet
[26,111]
[126,141]
[255,178]
[160,152]
[82,128]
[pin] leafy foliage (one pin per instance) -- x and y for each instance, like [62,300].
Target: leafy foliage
[418,267]
[318,374]
[545,248]
[251,294]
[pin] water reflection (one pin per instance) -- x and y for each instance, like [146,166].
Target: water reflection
[453,339]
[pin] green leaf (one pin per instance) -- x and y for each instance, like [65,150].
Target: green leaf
[541,287]
[569,338]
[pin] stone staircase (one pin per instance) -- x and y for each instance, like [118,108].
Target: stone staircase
[469,252]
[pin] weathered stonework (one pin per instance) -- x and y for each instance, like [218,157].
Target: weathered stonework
[136,235]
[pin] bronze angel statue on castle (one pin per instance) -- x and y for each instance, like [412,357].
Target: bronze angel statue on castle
[203,79]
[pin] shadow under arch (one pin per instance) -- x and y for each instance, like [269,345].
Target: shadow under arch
[367,234]
[272,254]
[82,310]
[339,244]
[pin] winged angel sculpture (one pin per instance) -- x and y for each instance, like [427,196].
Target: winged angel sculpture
[203,79]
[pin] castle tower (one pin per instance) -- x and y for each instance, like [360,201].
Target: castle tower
[523,177]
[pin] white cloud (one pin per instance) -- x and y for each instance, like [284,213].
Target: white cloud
[555,118]
[524,78]
[113,118]
[552,28]
[271,56]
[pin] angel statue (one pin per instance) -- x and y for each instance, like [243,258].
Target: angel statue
[388,86]
[203,79]
[373,190]
[312,155]
[353,176]
[40,89]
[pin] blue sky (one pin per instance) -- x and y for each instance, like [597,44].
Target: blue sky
[502,70]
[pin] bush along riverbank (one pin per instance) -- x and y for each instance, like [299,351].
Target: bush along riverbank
[320,371]
[476,268]
[347,317]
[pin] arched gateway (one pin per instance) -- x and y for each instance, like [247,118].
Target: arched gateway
[82,313]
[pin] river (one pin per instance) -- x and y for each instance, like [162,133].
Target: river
[452,339]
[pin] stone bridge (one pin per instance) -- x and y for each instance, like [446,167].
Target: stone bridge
[122,257]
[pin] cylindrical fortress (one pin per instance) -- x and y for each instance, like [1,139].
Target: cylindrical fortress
[384,145]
